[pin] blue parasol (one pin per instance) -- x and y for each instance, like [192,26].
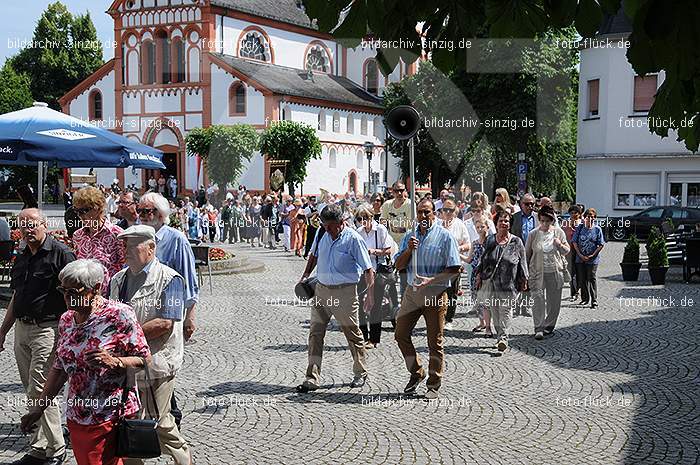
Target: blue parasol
[40,134]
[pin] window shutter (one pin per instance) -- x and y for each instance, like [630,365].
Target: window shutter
[644,90]
[593,87]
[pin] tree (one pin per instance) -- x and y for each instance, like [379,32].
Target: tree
[66,52]
[14,90]
[224,150]
[664,38]
[485,117]
[295,142]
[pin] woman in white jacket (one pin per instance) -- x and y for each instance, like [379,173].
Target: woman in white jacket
[546,250]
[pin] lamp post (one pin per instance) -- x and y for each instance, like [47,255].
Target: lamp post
[369,150]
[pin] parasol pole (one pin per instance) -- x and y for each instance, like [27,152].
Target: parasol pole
[40,181]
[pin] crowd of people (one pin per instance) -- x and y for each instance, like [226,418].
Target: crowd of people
[109,318]
[122,302]
[516,257]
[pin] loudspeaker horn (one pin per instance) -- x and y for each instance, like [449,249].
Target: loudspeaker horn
[402,122]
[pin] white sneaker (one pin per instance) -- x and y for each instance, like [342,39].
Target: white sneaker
[431,394]
[539,336]
[448,326]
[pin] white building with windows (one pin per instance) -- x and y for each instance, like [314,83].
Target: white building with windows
[621,167]
[184,64]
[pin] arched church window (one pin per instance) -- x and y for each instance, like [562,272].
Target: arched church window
[317,59]
[255,46]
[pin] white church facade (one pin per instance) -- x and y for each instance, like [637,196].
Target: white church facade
[184,64]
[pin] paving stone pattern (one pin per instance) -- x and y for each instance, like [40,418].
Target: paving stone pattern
[618,384]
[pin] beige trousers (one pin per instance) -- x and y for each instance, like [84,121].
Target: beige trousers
[171,441]
[343,304]
[34,352]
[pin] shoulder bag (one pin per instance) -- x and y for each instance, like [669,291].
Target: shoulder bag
[138,438]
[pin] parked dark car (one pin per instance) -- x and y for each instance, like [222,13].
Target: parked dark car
[620,228]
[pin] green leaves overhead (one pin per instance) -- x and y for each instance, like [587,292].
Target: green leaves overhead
[515,18]
[561,12]
[665,36]
[588,17]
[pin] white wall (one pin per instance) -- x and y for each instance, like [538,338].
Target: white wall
[78,107]
[288,47]
[615,131]
[255,101]
[595,179]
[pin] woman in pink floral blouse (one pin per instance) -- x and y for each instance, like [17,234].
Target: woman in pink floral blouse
[98,340]
[98,236]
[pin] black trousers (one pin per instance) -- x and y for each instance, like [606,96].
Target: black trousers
[175,410]
[587,283]
[371,325]
[452,302]
[310,235]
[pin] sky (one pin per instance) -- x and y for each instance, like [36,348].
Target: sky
[18,19]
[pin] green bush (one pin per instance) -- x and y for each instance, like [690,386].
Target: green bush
[656,249]
[631,254]
[654,234]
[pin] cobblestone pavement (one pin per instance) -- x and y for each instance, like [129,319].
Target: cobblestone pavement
[618,384]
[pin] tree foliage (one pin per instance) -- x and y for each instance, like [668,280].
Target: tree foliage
[67,51]
[292,141]
[225,150]
[532,110]
[14,90]
[664,38]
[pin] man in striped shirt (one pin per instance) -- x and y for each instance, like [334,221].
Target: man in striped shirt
[426,295]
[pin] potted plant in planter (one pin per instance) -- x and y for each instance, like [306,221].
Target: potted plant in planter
[630,260]
[658,257]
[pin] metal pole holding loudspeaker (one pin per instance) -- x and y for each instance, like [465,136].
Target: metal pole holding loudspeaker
[402,123]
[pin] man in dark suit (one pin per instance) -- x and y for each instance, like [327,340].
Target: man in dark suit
[523,222]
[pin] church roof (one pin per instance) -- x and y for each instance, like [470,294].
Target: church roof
[282,80]
[286,11]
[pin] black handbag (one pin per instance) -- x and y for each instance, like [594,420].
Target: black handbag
[137,438]
[385,269]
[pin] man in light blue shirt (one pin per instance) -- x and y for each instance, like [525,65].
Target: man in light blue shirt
[342,258]
[173,250]
[438,261]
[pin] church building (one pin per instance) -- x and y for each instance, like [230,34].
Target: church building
[184,64]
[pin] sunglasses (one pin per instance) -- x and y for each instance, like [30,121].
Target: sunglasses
[447,210]
[399,190]
[127,204]
[82,211]
[529,204]
[72,291]
[146,211]
[424,212]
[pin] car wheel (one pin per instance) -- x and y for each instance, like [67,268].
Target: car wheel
[619,233]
